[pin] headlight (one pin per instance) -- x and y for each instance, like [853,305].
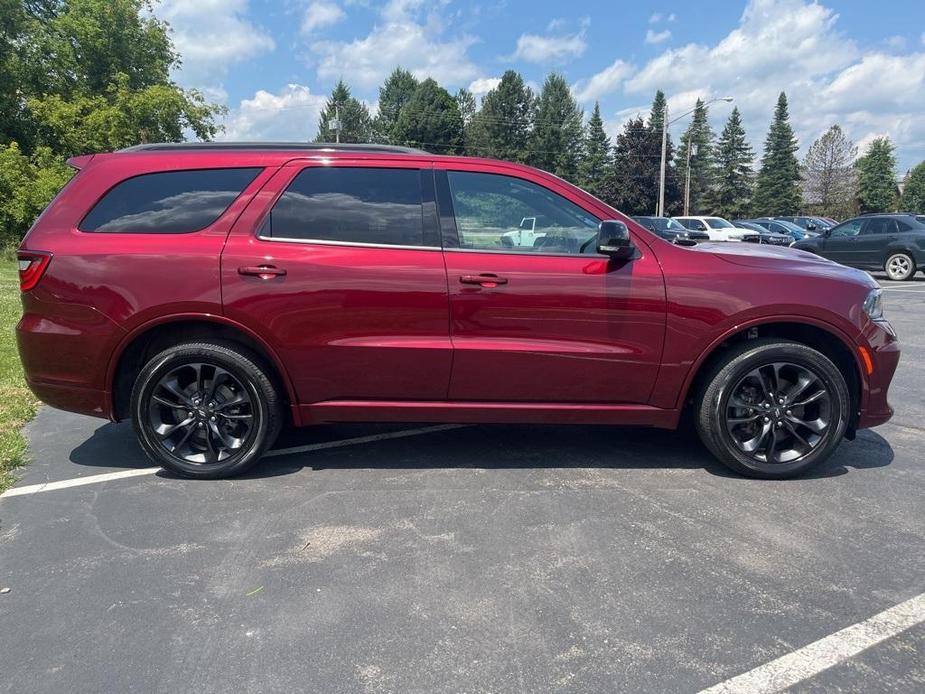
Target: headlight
[873,304]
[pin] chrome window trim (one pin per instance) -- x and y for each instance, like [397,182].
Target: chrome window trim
[526,254]
[357,244]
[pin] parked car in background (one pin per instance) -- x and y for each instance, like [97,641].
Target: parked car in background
[671,230]
[894,243]
[831,220]
[767,236]
[213,292]
[719,229]
[817,224]
[779,226]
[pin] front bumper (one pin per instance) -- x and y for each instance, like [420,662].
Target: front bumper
[884,350]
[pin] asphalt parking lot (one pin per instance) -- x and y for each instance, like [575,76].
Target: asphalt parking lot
[466,559]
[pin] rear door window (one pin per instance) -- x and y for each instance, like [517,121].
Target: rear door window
[381,206]
[168,202]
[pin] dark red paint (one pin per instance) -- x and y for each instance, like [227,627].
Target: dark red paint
[390,334]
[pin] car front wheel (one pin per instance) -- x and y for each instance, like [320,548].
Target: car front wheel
[899,267]
[205,410]
[773,409]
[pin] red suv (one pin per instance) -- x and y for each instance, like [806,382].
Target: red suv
[214,292]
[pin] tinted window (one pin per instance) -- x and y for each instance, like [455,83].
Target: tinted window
[850,228]
[719,223]
[880,225]
[496,212]
[170,202]
[356,205]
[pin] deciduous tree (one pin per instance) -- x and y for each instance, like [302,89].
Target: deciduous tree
[829,177]
[431,120]
[913,199]
[502,127]
[557,134]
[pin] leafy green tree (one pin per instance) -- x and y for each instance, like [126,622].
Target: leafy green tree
[829,177]
[350,114]
[596,155]
[556,142]
[465,101]
[877,177]
[913,199]
[431,120]
[732,175]
[502,127]
[697,141]
[777,190]
[631,185]
[657,117]
[26,185]
[395,92]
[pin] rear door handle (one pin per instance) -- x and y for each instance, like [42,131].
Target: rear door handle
[264,272]
[486,279]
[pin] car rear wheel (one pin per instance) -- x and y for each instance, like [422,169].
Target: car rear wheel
[900,267]
[773,409]
[205,410]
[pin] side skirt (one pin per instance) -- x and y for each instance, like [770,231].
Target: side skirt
[487,413]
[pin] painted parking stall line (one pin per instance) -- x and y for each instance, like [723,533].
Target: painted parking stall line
[122,474]
[827,652]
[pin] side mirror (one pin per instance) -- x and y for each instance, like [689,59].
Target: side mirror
[613,239]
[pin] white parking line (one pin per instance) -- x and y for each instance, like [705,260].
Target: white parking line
[831,650]
[910,290]
[107,476]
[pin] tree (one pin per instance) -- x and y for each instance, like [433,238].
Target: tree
[555,145]
[698,141]
[913,199]
[26,185]
[656,121]
[877,177]
[596,155]
[502,127]
[829,178]
[431,120]
[465,101]
[777,190]
[631,184]
[352,116]
[732,174]
[395,92]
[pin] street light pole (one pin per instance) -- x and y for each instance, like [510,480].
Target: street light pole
[660,211]
[687,183]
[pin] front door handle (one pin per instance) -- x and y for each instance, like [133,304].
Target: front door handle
[264,272]
[486,279]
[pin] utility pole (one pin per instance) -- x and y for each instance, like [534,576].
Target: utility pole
[687,184]
[336,122]
[660,211]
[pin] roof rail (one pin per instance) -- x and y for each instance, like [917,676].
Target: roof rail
[276,146]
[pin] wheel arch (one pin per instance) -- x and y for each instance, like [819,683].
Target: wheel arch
[823,337]
[154,336]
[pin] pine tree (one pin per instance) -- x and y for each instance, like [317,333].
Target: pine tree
[730,196]
[778,186]
[657,116]
[431,120]
[829,178]
[913,199]
[502,127]
[355,123]
[697,142]
[596,155]
[557,136]
[631,184]
[877,177]
[394,93]
[465,101]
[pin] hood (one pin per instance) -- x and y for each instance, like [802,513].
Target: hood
[783,259]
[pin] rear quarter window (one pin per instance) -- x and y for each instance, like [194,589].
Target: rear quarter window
[168,202]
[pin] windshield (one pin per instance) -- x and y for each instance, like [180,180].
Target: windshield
[719,223]
[666,224]
[790,226]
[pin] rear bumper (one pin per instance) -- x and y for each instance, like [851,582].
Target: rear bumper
[72,398]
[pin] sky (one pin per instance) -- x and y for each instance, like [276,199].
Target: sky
[857,63]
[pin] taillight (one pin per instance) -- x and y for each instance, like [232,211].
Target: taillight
[32,265]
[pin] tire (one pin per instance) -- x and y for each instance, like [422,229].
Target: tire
[227,432]
[899,267]
[728,430]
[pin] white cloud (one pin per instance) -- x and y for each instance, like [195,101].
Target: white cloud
[532,48]
[399,39]
[604,82]
[659,16]
[320,14]
[483,85]
[292,115]
[653,37]
[211,36]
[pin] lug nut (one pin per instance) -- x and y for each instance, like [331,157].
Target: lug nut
[767,419]
[212,418]
[789,413]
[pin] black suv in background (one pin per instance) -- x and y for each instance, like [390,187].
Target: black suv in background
[670,230]
[894,243]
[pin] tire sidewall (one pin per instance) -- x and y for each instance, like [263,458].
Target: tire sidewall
[801,356]
[257,441]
